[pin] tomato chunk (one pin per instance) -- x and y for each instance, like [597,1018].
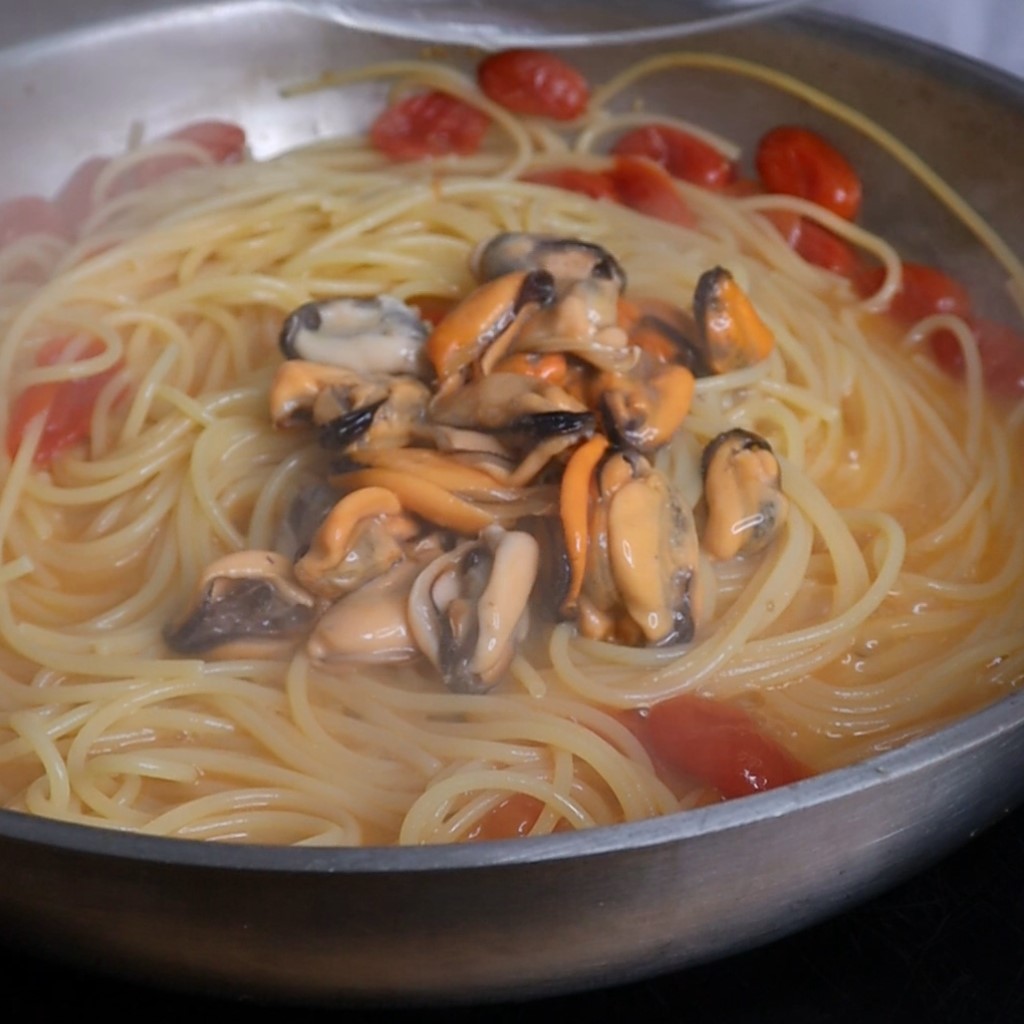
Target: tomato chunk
[924,291]
[534,83]
[822,248]
[29,215]
[814,243]
[799,162]
[510,819]
[595,184]
[428,124]
[75,199]
[683,155]
[1000,348]
[718,744]
[632,181]
[646,187]
[222,141]
[67,405]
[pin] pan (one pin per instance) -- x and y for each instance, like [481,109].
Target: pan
[509,918]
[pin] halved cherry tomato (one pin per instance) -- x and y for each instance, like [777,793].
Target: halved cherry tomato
[632,181]
[29,215]
[510,819]
[799,162]
[927,291]
[222,141]
[820,247]
[718,744]
[595,184]
[75,199]
[814,243]
[428,124]
[1000,348]
[534,83]
[683,155]
[924,291]
[646,187]
[67,405]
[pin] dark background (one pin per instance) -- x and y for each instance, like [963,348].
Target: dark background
[945,947]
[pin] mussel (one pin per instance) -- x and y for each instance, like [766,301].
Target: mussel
[743,494]
[468,610]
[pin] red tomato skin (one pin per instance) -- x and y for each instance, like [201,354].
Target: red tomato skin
[30,215]
[68,406]
[814,243]
[534,83]
[632,181]
[820,247]
[924,291]
[595,184]
[719,745]
[683,155]
[646,187]
[798,162]
[428,124]
[223,143]
[1000,348]
[75,199]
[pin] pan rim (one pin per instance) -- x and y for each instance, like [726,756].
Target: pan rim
[956,740]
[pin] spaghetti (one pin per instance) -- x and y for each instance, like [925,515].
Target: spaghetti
[889,604]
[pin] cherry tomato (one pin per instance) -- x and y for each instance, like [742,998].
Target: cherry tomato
[29,215]
[924,291]
[223,143]
[75,199]
[633,181]
[798,162]
[67,406]
[814,243]
[534,83]
[820,247]
[595,184]
[683,155]
[510,819]
[718,744]
[1000,348]
[428,124]
[646,187]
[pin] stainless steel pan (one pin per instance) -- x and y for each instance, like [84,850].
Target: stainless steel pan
[569,911]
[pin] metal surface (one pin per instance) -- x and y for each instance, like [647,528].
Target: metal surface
[487,23]
[539,22]
[525,917]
